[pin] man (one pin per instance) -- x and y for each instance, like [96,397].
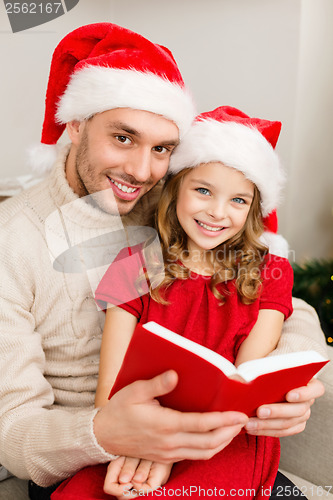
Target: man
[125,107]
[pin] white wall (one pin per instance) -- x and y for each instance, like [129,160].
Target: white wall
[309,224]
[271,58]
[25,60]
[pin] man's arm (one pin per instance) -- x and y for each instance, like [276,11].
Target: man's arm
[37,442]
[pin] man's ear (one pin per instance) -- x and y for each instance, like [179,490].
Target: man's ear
[74,130]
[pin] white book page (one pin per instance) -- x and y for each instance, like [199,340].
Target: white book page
[215,359]
[249,370]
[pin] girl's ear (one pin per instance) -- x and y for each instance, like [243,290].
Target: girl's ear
[74,129]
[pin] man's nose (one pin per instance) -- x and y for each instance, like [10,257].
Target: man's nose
[139,165]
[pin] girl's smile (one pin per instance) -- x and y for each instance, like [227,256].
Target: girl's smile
[209,227]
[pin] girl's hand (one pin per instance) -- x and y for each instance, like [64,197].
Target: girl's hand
[149,476]
[128,477]
[118,476]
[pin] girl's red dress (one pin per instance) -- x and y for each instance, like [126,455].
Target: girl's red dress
[247,467]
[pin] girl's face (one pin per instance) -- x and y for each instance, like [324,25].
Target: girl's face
[213,204]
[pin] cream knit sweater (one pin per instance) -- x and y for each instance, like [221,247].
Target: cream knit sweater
[50,331]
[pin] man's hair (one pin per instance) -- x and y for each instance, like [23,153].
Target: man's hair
[239,258]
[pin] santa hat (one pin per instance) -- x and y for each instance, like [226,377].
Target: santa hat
[104,66]
[276,243]
[229,136]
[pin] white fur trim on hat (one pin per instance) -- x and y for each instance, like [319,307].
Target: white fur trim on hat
[95,89]
[41,157]
[238,146]
[276,244]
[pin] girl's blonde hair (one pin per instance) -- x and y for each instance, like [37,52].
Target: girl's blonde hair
[239,258]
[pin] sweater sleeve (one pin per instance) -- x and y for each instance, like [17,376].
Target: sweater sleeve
[39,440]
[302,331]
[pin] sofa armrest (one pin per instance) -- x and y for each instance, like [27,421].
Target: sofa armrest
[310,453]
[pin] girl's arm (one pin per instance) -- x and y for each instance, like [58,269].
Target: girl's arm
[118,330]
[263,337]
[125,472]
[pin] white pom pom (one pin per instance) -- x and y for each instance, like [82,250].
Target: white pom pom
[41,157]
[276,244]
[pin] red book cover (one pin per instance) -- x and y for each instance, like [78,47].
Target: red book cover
[204,383]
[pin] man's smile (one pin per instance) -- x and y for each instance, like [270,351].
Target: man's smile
[123,186]
[123,190]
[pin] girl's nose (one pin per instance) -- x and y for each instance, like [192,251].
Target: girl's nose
[217,210]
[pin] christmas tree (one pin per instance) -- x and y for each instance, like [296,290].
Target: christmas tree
[313,282]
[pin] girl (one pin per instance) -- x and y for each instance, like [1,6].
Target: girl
[221,288]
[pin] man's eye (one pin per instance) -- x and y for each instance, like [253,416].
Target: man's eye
[239,200]
[123,139]
[160,149]
[204,191]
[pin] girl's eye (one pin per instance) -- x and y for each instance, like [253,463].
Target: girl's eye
[123,139]
[238,200]
[204,191]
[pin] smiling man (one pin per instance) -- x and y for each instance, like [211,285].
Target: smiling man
[123,149]
[125,107]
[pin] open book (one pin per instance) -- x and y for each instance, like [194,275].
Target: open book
[204,376]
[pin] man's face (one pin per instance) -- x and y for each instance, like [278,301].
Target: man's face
[124,150]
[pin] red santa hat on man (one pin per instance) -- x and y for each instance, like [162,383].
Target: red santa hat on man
[104,66]
[229,136]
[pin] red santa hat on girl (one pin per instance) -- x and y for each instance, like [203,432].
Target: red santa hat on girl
[104,66]
[229,136]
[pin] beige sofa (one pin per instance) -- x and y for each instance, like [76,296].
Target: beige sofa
[309,455]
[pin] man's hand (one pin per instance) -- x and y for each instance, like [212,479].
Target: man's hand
[134,424]
[286,419]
